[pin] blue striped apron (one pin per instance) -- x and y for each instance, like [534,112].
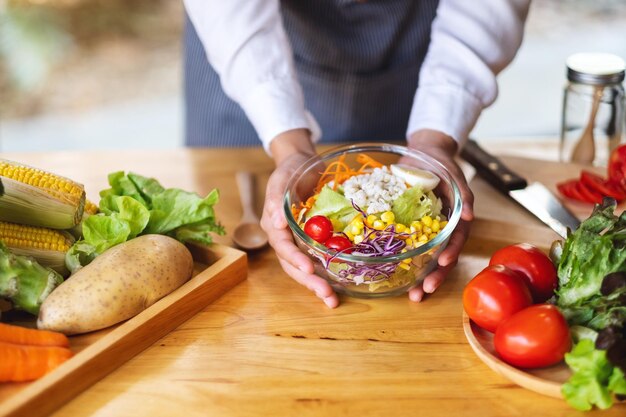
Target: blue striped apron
[358,63]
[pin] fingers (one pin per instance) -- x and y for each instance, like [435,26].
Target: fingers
[319,286]
[282,242]
[451,253]
[430,283]
[273,208]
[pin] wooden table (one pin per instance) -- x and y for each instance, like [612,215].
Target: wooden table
[269,347]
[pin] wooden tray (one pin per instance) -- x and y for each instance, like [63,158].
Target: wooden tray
[488,236]
[217,269]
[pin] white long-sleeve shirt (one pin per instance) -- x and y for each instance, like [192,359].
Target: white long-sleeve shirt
[471,41]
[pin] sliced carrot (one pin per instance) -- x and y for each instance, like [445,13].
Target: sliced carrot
[25,363]
[23,336]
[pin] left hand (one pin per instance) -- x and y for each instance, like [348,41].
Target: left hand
[443,148]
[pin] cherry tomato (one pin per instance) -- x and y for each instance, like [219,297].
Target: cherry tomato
[339,243]
[535,337]
[495,294]
[536,268]
[601,186]
[318,228]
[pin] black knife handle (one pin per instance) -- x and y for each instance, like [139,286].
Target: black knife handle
[491,169]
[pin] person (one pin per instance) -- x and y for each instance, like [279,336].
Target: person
[378,70]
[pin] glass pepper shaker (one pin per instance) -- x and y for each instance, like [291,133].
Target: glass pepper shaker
[593,108]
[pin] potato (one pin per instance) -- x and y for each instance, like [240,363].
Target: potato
[117,285]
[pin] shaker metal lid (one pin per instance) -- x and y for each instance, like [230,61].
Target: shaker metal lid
[595,68]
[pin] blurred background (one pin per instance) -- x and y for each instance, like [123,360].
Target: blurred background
[107,74]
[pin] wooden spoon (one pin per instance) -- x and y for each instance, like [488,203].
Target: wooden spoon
[248,234]
[585,150]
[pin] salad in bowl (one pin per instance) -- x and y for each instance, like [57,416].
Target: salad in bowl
[373,218]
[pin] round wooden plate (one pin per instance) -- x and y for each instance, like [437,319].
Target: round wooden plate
[546,381]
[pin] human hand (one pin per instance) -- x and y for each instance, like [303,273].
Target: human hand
[443,148]
[290,150]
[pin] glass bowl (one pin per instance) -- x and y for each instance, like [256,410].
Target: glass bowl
[399,272]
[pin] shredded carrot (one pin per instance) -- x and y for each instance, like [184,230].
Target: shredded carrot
[339,171]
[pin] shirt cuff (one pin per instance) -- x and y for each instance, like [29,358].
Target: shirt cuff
[277,106]
[448,109]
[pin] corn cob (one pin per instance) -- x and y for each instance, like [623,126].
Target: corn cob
[90,208]
[38,198]
[47,246]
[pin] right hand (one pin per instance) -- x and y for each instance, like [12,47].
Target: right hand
[290,150]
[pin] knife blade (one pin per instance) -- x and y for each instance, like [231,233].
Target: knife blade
[534,197]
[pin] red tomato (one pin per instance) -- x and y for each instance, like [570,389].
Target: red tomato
[601,186]
[495,294]
[339,243]
[588,194]
[318,228]
[535,337]
[570,190]
[535,267]
[617,166]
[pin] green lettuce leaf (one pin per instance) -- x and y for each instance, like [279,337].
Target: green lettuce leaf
[617,382]
[103,232]
[333,205]
[148,187]
[80,254]
[414,204]
[199,232]
[589,385]
[121,184]
[595,249]
[174,207]
[137,205]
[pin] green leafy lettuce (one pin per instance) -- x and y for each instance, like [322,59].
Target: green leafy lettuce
[414,204]
[596,249]
[137,205]
[594,381]
[333,205]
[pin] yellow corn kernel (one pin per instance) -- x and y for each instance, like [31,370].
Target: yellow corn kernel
[371,219]
[423,238]
[378,225]
[349,235]
[358,239]
[409,241]
[90,208]
[416,227]
[427,230]
[427,221]
[407,260]
[352,229]
[432,236]
[405,266]
[436,227]
[358,222]
[443,224]
[400,228]
[388,217]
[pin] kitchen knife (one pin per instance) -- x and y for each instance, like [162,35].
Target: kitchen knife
[535,197]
